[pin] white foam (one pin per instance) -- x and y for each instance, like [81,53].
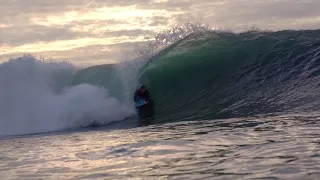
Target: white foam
[36,96]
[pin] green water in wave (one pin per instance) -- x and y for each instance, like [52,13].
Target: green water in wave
[189,79]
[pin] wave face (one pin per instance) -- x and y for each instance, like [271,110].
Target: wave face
[224,75]
[206,75]
[40,97]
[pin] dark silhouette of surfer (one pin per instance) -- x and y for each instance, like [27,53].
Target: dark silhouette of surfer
[145,112]
[142,93]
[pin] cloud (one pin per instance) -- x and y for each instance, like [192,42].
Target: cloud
[236,14]
[18,35]
[88,55]
[59,28]
[221,11]
[15,36]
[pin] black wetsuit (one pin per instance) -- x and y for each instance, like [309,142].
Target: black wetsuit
[144,94]
[146,112]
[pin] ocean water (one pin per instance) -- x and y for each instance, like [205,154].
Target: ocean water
[249,148]
[226,106]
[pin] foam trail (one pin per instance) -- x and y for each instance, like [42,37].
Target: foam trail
[37,97]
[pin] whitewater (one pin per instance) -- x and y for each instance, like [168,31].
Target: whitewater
[226,106]
[38,96]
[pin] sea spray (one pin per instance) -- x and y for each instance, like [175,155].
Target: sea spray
[37,96]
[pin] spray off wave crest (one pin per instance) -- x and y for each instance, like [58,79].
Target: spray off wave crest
[39,97]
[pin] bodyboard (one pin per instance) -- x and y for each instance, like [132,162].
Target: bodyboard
[139,102]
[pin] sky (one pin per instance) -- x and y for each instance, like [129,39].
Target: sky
[89,32]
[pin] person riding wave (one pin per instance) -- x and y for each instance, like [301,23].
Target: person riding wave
[146,111]
[142,93]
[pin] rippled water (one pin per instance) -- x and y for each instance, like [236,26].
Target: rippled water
[286,147]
